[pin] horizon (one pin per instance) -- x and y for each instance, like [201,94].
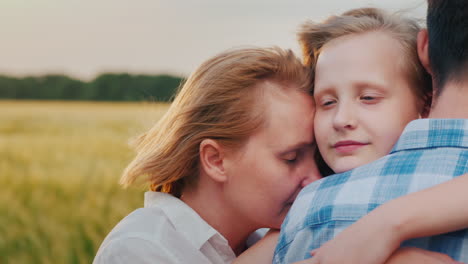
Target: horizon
[87,38]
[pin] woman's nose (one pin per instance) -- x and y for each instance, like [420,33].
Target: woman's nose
[312,175]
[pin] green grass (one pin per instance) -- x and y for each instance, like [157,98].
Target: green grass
[59,168]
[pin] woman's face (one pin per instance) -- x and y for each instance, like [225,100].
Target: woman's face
[276,162]
[363,99]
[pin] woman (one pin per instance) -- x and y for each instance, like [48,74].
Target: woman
[228,158]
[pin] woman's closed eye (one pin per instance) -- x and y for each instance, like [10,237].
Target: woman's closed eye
[291,157]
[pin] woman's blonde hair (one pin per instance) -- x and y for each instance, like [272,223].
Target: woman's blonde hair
[313,37]
[218,101]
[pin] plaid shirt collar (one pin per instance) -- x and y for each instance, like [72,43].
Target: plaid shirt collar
[433,133]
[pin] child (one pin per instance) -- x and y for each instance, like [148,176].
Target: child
[352,131]
[363,98]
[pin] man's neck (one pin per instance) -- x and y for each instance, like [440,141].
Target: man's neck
[452,103]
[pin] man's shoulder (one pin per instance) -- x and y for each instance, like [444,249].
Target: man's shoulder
[416,163]
[396,168]
[351,195]
[433,133]
[319,201]
[364,177]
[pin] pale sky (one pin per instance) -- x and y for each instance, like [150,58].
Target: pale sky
[83,38]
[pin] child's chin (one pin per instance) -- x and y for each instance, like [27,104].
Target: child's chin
[344,167]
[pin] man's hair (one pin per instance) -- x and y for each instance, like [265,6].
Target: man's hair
[220,101]
[447,25]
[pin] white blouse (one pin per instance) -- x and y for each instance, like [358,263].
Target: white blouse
[166,230]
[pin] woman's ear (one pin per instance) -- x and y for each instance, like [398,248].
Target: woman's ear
[212,160]
[423,49]
[426,108]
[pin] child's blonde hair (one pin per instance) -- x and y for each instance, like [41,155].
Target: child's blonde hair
[314,36]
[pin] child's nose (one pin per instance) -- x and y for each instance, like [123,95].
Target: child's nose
[344,117]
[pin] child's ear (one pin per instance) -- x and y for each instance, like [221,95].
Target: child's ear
[423,49]
[212,160]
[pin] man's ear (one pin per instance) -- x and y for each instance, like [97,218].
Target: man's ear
[423,49]
[212,160]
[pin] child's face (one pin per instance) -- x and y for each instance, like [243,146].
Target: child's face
[363,99]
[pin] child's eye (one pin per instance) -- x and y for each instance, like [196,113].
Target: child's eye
[328,102]
[370,99]
[367,98]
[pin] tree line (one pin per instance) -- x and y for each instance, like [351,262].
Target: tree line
[105,87]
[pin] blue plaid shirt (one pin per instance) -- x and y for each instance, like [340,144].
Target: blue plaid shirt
[429,152]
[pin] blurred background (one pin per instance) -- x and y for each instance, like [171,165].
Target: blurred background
[78,79]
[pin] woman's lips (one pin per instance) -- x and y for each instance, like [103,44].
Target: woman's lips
[348,146]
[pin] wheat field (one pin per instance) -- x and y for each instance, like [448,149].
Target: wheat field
[59,168]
